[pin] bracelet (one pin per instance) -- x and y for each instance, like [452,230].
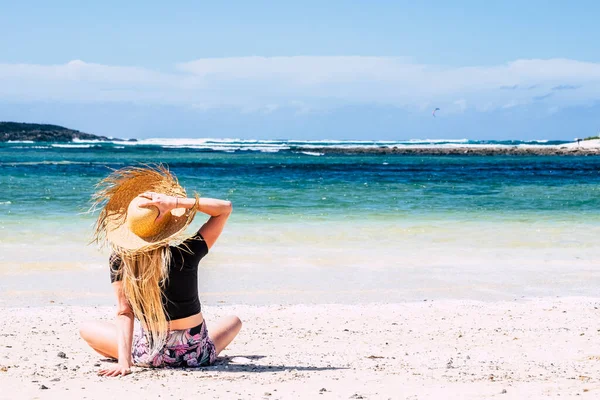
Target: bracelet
[176,202]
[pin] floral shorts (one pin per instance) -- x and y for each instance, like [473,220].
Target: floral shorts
[184,348]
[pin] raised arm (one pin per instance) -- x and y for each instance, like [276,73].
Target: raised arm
[219,211]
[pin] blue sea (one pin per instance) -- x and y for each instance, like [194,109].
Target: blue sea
[311,227]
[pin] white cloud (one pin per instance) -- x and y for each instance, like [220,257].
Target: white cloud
[267,84]
[270,108]
[461,104]
[511,104]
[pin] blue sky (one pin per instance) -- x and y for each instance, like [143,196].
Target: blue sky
[304,70]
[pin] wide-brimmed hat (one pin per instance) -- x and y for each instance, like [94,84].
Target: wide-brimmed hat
[128,228]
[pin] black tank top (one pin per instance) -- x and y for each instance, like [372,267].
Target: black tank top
[180,294]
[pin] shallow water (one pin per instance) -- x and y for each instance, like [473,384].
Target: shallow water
[319,229]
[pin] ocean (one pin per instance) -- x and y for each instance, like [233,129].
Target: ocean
[310,227]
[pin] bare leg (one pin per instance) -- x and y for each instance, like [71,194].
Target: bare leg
[101,336]
[223,331]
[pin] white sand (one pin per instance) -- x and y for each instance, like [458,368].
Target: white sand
[528,349]
[584,144]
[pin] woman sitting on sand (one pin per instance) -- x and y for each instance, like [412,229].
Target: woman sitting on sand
[154,273]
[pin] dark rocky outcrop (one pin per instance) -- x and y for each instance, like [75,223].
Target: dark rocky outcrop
[17,131]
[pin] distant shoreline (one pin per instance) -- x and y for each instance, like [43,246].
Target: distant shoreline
[567,149]
[564,150]
[23,133]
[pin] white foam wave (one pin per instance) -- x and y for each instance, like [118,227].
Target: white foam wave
[275,145]
[72,146]
[229,149]
[54,163]
[186,142]
[272,146]
[434,141]
[200,147]
[76,140]
[347,146]
[30,147]
[169,142]
[5,203]
[264,149]
[20,141]
[122,143]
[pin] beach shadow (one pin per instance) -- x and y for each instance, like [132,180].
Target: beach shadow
[241,364]
[237,364]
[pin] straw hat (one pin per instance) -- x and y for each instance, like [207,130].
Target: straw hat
[128,228]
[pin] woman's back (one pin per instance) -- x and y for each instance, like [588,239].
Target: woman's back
[180,291]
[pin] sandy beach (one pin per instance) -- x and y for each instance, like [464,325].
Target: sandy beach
[367,276]
[526,348]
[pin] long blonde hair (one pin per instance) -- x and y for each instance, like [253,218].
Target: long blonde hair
[144,276]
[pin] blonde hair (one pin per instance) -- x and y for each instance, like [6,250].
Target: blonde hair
[143,277]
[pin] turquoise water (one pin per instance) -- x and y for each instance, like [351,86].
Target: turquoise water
[374,226]
[59,181]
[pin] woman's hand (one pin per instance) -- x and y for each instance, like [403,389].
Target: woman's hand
[163,202]
[116,370]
